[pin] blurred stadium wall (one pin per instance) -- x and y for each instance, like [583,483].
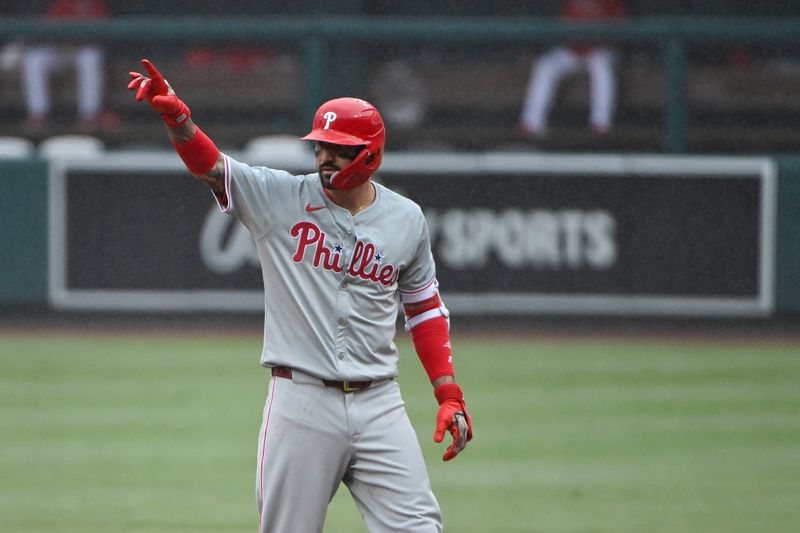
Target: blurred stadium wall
[687,209]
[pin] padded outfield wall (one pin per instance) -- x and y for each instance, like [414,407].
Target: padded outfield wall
[521,233]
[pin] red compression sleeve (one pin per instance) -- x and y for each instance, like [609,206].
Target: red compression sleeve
[432,342]
[199,153]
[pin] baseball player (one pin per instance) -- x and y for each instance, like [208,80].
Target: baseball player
[336,251]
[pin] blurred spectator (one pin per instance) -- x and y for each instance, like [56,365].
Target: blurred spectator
[41,60]
[563,60]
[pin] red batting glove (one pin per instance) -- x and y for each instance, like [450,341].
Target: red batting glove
[452,417]
[159,95]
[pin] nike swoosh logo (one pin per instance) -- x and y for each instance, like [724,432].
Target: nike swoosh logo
[311,208]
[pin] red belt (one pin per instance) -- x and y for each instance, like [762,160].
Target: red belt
[344,386]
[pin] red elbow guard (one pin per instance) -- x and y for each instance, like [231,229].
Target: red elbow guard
[199,153]
[432,342]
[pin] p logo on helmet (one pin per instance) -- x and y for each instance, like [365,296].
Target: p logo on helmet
[351,122]
[329,117]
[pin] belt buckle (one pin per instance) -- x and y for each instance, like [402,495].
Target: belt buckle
[347,388]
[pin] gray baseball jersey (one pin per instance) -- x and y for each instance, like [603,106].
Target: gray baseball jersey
[331,280]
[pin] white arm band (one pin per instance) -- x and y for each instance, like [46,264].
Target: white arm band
[416,320]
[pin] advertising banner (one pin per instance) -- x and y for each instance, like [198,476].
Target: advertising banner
[510,234]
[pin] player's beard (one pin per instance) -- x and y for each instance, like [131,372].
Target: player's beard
[325,178]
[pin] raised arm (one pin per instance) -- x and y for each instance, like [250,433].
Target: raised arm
[198,152]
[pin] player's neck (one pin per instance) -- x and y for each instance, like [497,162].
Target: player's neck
[354,200]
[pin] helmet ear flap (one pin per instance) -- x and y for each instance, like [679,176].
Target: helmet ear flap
[356,172]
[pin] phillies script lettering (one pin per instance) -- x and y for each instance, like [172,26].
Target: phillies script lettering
[366,262]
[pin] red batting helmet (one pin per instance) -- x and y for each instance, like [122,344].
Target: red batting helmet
[351,122]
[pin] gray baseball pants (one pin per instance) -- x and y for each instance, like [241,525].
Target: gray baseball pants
[314,437]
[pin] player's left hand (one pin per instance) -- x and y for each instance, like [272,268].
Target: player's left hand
[452,417]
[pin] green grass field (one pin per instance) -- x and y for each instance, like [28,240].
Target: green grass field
[130,433]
